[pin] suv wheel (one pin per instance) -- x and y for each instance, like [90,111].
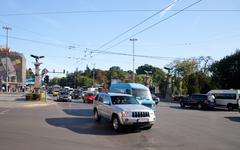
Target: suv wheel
[116,123]
[96,116]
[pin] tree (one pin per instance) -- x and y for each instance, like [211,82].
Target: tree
[184,67]
[116,72]
[84,81]
[191,75]
[226,72]
[145,68]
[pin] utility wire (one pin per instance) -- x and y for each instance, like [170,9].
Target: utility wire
[158,12]
[149,27]
[110,11]
[127,54]
[34,41]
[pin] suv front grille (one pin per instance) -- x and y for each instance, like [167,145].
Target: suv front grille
[140,114]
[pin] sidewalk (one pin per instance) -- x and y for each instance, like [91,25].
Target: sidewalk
[16,101]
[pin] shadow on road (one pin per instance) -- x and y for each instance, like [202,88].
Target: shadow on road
[79,112]
[20,99]
[194,108]
[85,126]
[235,119]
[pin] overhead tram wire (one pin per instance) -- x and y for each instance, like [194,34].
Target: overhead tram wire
[127,54]
[149,27]
[110,11]
[35,41]
[116,37]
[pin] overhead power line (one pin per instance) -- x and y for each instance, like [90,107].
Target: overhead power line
[110,11]
[158,12]
[35,41]
[151,26]
[127,54]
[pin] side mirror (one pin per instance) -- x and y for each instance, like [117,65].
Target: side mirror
[106,102]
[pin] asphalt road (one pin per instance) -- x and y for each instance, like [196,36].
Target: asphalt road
[70,126]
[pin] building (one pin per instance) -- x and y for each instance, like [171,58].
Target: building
[16,64]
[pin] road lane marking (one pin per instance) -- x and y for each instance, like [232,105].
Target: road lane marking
[38,105]
[4,111]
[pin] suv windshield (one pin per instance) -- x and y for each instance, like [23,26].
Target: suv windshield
[141,94]
[116,100]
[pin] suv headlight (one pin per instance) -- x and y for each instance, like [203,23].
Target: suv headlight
[124,113]
[152,113]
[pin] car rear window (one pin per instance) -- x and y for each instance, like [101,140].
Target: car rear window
[199,97]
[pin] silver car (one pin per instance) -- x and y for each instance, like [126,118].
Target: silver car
[122,110]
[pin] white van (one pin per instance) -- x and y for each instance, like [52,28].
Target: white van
[226,98]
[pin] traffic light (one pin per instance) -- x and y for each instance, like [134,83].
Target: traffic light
[46,79]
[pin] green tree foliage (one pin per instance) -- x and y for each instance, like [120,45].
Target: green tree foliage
[101,78]
[226,72]
[191,75]
[84,81]
[116,72]
[153,76]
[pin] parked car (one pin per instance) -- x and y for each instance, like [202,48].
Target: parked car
[178,98]
[122,110]
[155,99]
[63,96]
[76,94]
[201,101]
[88,97]
[225,98]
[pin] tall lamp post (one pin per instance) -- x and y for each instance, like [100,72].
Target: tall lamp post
[7,28]
[133,40]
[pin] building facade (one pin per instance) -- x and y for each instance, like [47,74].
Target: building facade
[16,64]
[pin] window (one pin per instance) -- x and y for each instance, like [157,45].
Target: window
[116,100]
[142,94]
[106,99]
[100,98]
[225,96]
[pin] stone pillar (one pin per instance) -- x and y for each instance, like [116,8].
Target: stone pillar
[37,77]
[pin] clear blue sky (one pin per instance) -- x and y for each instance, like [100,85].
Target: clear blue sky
[188,34]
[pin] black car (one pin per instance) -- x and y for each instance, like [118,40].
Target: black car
[76,94]
[201,101]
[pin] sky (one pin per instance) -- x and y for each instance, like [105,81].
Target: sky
[67,31]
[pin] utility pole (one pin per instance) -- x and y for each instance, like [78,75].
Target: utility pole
[133,40]
[7,28]
[93,73]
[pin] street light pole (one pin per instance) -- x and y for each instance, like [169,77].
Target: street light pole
[133,40]
[7,28]
[93,74]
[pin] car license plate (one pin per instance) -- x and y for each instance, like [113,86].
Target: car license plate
[142,120]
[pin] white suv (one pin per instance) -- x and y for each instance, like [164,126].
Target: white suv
[122,110]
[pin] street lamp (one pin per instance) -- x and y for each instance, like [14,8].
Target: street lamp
[7,28]
[133,40]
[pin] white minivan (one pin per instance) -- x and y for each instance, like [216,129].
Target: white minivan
[226,98]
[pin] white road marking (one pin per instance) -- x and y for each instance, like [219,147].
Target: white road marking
[4,111]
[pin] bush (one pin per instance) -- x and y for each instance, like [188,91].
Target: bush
[32,97]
